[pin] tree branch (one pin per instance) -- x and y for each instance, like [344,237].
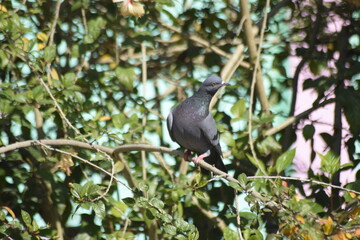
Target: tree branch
[149,148]
[250,41]
[129,148]
[229,69]
[209,214]
[305,180]
[205,44]
[296,118]
[256,78]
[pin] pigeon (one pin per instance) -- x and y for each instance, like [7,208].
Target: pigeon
[191,125]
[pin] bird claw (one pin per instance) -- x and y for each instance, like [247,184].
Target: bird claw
[201,157]
[196,160]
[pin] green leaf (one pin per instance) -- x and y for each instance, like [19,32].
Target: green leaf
[84,189]
[228,138]
[75,193]
[26,218]
[308,132]
[126,77]
[257,163]
[2,216]
[118,167]
[129,201]
[69,79]
[330,162]
[256,235]
[93,189]
[142,186]
[170,229]
[118,209]
[150,213]
[143,202]
[202,183]
[75,51]
[37,92]
[99,209]
[353,186]
[35,226]
[269,144]
[239,108]
[285,160]
[157,203]
[167,218]
[180,237]
[230,234]
[133,120]
[236,186]
[242,178]
[181,224]
[350,102]
[119,120]
[200,194]
[50,53]
[86,205]
[304,206]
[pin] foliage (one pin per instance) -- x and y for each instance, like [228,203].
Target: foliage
[74,70]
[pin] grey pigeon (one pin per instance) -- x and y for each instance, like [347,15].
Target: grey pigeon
[191,125]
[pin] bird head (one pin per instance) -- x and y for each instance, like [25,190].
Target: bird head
[212,84]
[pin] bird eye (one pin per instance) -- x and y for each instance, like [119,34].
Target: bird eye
[213,84]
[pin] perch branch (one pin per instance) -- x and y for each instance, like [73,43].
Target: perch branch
[148,148]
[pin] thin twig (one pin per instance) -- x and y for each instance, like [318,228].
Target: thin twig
[241,23]
[53,25]
[144,78]
[163,164]
[253,53]
[238,215]
[229,69]
[83,17]
[127,222]
[253,83]
[205,44]
[209,214]
[296,118]
[304,180]
[41,143]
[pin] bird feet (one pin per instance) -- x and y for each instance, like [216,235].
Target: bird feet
[201,157]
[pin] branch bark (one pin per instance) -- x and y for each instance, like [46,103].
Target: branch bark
[250,41]
[134,147]
[206,44]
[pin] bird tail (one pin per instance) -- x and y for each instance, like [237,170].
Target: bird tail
[215,159]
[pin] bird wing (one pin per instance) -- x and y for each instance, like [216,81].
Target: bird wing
[169,122]
[210,133]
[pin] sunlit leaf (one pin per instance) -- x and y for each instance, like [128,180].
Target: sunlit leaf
[285,160]
[330,162]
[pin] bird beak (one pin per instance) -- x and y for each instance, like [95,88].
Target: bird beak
[224,83]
